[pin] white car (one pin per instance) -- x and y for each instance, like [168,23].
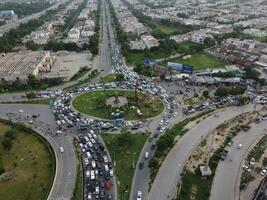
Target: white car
[89,197]
[86,161]
[87,173]
[92,175]
[263,172]
[61,149]
[105,159]
[96,190]
[111,172]
[246,168]
[106,168]
[239,146]
[139,195]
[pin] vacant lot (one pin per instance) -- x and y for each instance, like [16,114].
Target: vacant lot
[31,166]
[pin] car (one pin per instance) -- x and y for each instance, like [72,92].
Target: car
[230,142]
[139,195]
[140,165]
[105,159]
[263,172]
[109,197]
[93,164]
[92,173]
[106,168]
[246,168]
[111,173]
[86,161]
[89,196]
[239,146]
[97,190]
[87,173]
[146,155]
[61,149]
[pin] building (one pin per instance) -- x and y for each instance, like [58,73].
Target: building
[255,32]
[8,15]
[19,65]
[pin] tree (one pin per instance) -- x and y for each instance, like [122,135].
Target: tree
[252,73]
[206,94]
[125,138]
[237,90]
[209,42]
[222,91]
[162,77]
[153,163]
[31,95]
[7,143]
[120,77]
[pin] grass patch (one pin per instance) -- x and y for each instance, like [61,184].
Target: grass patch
[80,73]
[108,78]
[94,104]
[31,162]
[258,150]
[200,61]
[245,179]
[31,101]
[123,157]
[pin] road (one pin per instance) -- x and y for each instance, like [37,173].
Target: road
[226,181]
[106,39]
[165,183]
[5,28]
[66,162]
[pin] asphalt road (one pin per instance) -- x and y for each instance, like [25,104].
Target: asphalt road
[226,181]
[66,162]
[5,28]
[165,183]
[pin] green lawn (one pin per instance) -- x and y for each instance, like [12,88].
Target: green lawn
[31,164]
[108,78]
[124,158]
[94,104]
[201,61]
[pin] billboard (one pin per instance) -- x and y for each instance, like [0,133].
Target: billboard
[187,69]
[175,66]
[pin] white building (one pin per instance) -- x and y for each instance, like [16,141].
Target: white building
[255,32]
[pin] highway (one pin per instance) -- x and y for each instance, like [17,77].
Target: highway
[65,177]
[165,183]
[227,178]
[5,28]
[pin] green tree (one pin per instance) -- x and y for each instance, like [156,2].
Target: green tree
[206,94]
[209,42]
[120,77]
[7,143]
[31,95]
[221,91]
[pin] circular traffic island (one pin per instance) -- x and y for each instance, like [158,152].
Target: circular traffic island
[112,104]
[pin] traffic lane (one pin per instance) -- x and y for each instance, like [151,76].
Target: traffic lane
[166,180]
[142,177]
[225,184]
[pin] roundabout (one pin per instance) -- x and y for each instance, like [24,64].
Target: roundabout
[112,104]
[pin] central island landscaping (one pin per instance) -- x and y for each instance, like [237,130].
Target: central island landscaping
[135,106]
